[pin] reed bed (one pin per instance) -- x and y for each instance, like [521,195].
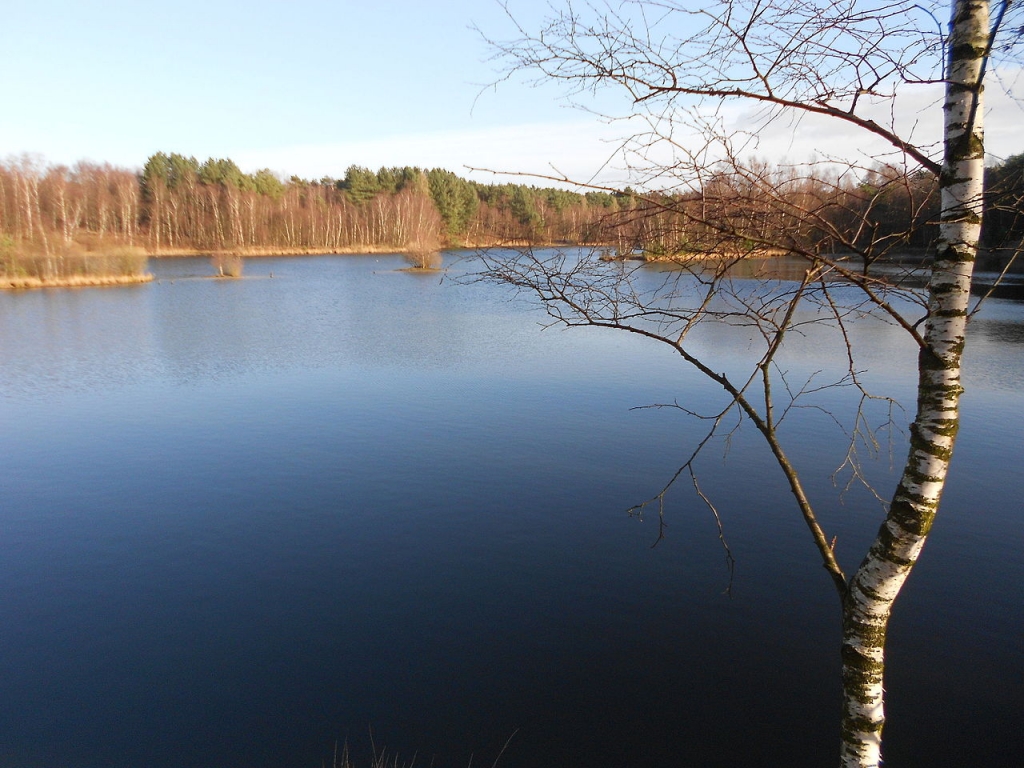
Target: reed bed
[29,264]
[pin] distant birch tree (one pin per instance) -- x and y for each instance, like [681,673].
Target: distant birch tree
[852,61]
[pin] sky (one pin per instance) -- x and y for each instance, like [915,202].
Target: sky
[310,87]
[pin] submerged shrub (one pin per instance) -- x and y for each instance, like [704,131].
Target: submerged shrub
[424,257]
[228,264]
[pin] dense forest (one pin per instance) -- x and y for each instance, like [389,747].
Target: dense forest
[176,204]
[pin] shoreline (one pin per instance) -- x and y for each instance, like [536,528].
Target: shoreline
[262,251]
[20,283]
[72,281]
[345,250]
[86,281]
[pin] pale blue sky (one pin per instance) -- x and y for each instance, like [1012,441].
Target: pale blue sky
[305,86]
[116,80]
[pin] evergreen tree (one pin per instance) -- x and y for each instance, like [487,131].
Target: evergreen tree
[360,184]
[455,198]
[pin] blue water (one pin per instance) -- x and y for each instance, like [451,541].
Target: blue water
[243,521]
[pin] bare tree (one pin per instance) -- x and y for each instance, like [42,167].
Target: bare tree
[709,207]
[421,234]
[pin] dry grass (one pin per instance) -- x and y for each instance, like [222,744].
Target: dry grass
[32,264]
[71,281]
[380,759]
[383,759]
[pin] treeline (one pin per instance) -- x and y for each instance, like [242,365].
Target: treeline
[743,207]
[1004,213]
[757,206]
[177,203]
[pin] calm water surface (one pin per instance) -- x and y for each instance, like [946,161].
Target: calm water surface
[241,521]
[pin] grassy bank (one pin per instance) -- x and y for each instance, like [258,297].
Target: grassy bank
[71,281]
[42,264]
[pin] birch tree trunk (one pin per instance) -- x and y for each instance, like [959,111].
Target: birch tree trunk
[877,582]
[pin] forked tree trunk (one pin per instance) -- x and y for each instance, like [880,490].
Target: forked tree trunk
[878,580]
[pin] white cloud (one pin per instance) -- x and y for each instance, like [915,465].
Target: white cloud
[918,119]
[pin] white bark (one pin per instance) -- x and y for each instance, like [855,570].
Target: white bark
[878,581]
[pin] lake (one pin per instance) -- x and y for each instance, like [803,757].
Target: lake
[243,521]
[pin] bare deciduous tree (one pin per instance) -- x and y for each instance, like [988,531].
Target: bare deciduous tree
[709,207]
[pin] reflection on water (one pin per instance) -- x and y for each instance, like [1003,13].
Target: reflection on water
[243,519]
